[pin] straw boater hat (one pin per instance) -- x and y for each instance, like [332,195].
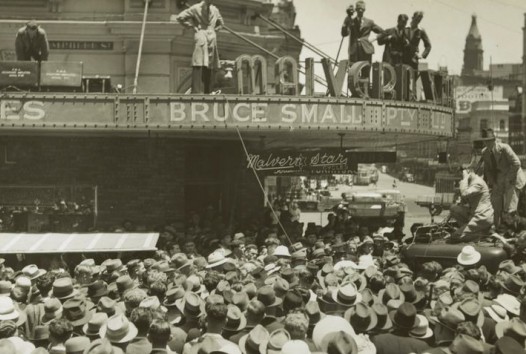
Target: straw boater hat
[215,259]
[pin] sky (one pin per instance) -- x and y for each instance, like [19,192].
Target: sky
[447,23]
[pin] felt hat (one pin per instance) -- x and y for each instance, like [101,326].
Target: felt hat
[32,271]
[390,292]
[347,295]
[450,318]
[487,134]
[472,310]
[112,265]
[508,302]
[405,316]
[108,306]
[255,341]
[103,346]
[76,311]
[410,293]
[63,289]
[508,345]
[76,345]
[368,297]
[468,256]
[40,332]
[52,310]
[5,288]
[92,328]
[241,300]
[509,267]
[235,320]
[267,296]
[421,328]
[97,289]
[514,325]
[384,322]
[181,262]
[172,295]
[361,317]
[118,329]
[327,325]
[190,305]
[512,285]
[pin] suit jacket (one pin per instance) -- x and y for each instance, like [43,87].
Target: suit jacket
[475,192]
[205,50]
[358,31]
[27,48]
[139,345]
[415,36]
[396,42]
[393,344]
[507,169]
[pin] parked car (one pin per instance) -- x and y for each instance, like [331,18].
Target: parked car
[428,245]
[373,208]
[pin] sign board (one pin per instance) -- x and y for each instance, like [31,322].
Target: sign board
[62,74]
[19,73]
[465,96]
[317,162]
[80,45]
[215,113]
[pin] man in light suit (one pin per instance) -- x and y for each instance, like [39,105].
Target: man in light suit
[503,173]
[475,213]
[205,19]
[358,29]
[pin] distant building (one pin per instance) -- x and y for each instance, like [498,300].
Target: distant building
[473,52]
[517,138]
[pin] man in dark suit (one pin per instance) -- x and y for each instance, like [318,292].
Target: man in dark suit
[416,34]
[358,29]
[31,43]
[396,41]
[503,174]
[399,341]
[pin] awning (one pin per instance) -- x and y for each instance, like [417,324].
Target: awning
[76,243]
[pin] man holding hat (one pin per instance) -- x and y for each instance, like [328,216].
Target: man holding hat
[31,43]
[358,29]
[503,174]
[475,216]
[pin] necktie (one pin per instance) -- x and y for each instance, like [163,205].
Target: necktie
[494,163]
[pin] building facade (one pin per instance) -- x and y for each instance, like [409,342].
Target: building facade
[162,156]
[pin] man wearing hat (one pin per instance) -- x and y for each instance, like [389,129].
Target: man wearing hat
[399,341]
[31,43]
[503,173]
[476,215]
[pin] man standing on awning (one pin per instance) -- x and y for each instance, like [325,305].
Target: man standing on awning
[205,20]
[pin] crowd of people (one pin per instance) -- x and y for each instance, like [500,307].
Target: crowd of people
[337,289]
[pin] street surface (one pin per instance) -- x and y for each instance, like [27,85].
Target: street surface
[411,192]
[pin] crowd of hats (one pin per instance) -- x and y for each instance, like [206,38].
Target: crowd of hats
[309,297]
